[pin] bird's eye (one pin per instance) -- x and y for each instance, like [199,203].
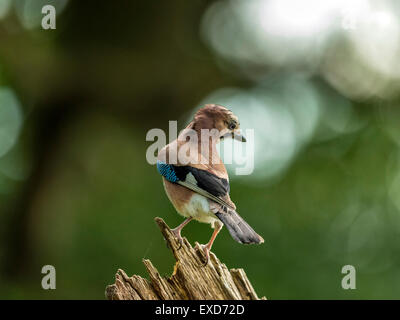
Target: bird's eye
[232,126]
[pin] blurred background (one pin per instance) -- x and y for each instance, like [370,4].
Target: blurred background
[318,81]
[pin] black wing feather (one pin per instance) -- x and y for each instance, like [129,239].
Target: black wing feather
[205,180]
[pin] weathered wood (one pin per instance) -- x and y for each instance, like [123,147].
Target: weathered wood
[189,280]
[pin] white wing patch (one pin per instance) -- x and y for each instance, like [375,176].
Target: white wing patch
[190,178]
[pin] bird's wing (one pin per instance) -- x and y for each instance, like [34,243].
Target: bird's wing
[200,181]
[204,193]
[205,183]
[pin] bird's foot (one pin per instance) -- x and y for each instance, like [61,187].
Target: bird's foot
[206,251]
[177,234]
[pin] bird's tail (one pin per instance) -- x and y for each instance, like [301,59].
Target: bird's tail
[238,228]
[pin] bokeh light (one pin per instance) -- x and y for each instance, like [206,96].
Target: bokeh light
[257,35]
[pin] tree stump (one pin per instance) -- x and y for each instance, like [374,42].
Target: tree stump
[190,280]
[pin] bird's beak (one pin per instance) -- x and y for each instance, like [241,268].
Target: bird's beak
[237,135]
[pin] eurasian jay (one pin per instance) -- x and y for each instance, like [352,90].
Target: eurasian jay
[199,189]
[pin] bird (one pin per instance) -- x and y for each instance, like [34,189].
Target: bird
[197,184]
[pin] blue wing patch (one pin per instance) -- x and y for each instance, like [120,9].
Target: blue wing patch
[167,171]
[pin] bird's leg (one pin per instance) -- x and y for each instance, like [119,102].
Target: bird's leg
[177,231]
[207,248]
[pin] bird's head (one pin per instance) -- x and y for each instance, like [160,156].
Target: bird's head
[213,116]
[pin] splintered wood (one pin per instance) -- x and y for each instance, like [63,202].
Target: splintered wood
[189,281]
